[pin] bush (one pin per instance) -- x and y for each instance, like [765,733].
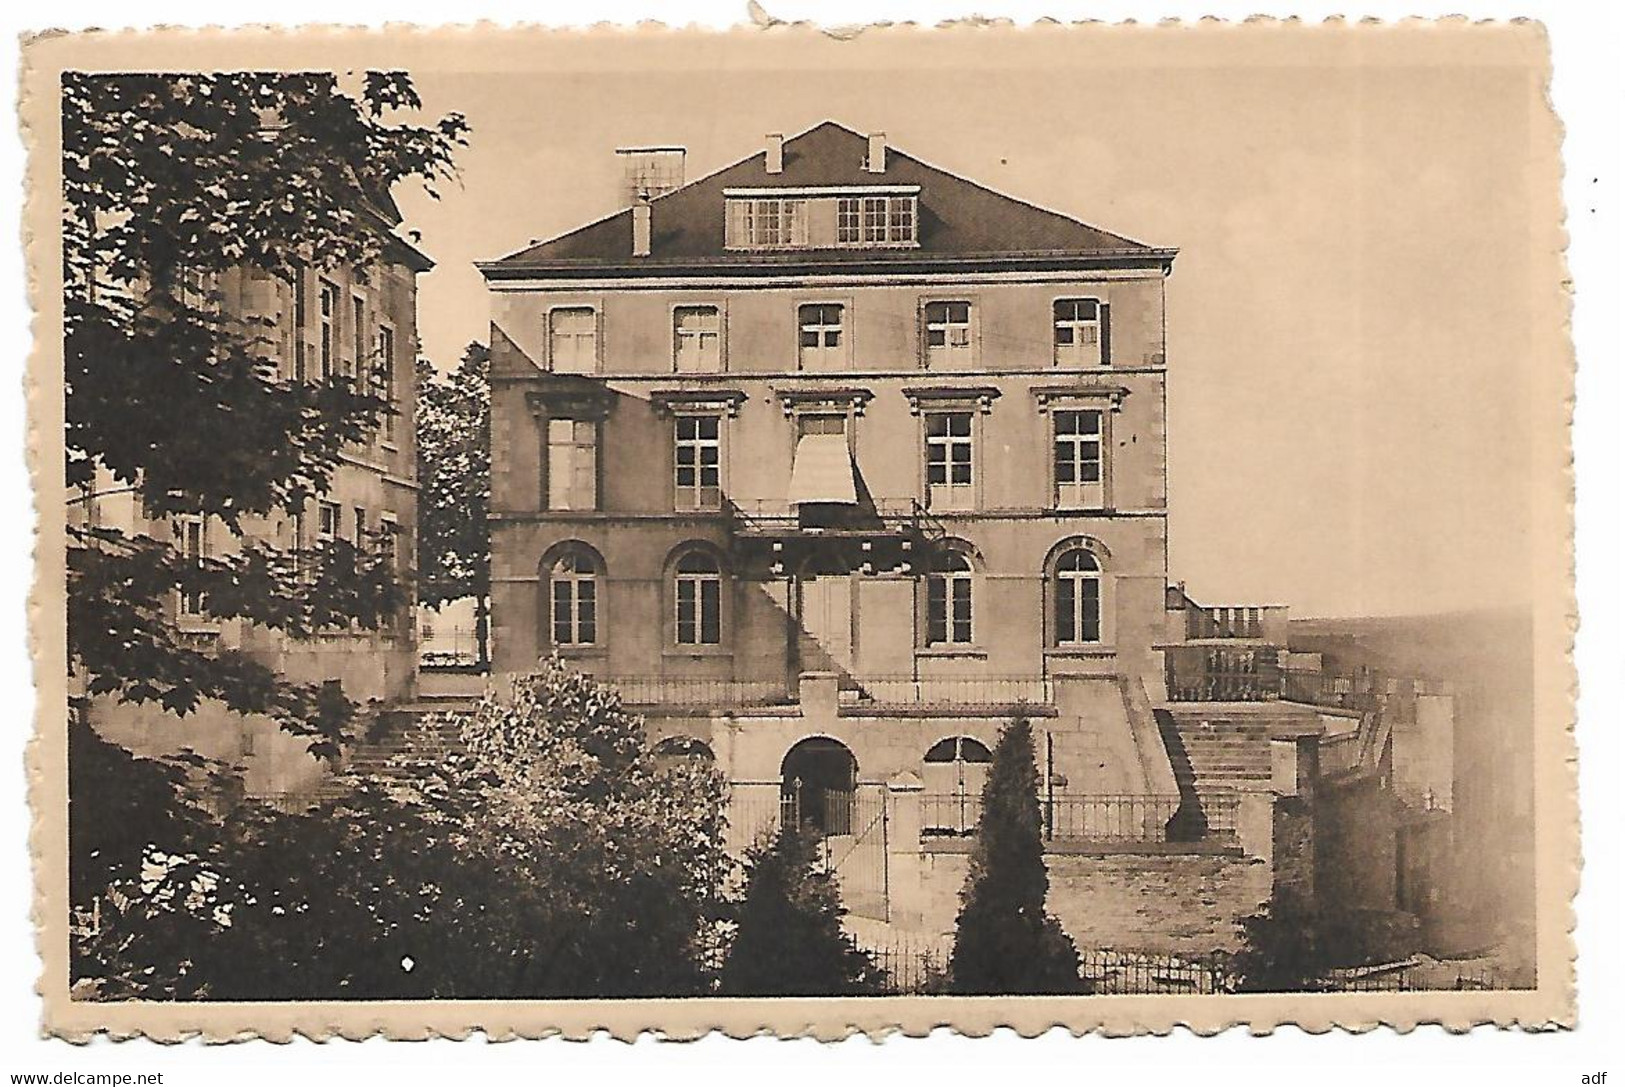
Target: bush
[1006,941]
[557,858]
[789,940]
[1294,946]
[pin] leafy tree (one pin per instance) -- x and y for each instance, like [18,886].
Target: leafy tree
[547,854]
[454,477]
[789,940]
[1006,942]
[174,185]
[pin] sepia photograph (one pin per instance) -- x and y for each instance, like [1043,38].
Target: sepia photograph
[683,518]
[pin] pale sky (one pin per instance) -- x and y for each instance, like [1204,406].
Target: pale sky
[1350,353]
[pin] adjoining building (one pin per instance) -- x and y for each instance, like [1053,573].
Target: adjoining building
[833,461]
[356,323]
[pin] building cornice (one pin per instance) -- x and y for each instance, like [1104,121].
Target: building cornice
[978,397]
[824,398]
[1051,395]
[761,267]
[689,401]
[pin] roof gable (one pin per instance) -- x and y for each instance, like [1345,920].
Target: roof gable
[957,217]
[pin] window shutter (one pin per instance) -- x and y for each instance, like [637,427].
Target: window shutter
[1105,334]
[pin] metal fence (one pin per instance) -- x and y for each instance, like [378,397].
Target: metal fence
[1126,817]
[962,692]
[684,691]
[917,963]
[1137,973]
[913,963]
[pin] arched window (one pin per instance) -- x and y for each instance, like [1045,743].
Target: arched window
[673,748]
[948,600]
[699,600]
[959,749]
[1077,598]
[574,599]
[955,772]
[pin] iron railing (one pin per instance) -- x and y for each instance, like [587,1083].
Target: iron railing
[1139,973]
[1122,817]
[1205,673]
[890,516]
[692,691]
[959,691]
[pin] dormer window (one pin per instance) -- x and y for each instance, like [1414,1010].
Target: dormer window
[767,223]
[823,218]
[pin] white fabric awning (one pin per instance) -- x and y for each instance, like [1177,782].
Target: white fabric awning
[823,471]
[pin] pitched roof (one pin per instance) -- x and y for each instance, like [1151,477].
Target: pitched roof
[958,219]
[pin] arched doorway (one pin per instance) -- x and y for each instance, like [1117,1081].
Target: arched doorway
[955,770]
[820,776]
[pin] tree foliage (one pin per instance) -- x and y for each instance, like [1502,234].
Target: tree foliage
[173,185]
[1006,942]
[789,940]
[549,854]
[454,477]
[1295,944]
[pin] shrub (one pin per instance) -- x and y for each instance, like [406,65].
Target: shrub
[1006,942]
[789,940]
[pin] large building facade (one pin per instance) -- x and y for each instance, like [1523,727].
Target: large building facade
[358,324]
[832,462]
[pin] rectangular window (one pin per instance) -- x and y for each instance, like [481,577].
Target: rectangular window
[948,459]
[301,306]
[572,464]
[698,462]
[394,541]
[822,345]
[327,520]
[1078,332]
[697,339]
[358,342]
[575,610]
[766,223]
[874,219]
[360,528]
[947,333]
[572,339]
[900,220]
[386,378]
[948,609]
[1077,460]
[193,548]
[328,344]
[1077,610]
[849,221]
[699,609]
[821,222]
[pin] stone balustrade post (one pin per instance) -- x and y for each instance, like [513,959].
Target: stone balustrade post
[905,890]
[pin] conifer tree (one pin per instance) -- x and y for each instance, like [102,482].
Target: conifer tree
[1006,942]
[790,941]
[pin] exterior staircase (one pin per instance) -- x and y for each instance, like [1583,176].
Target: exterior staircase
[416,728]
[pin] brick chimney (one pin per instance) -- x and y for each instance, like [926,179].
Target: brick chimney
[640,228]
[876,163]
[775,153]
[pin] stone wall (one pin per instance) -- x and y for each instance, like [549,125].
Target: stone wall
[1185,902]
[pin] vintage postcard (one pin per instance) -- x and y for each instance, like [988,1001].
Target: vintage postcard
[771,532]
